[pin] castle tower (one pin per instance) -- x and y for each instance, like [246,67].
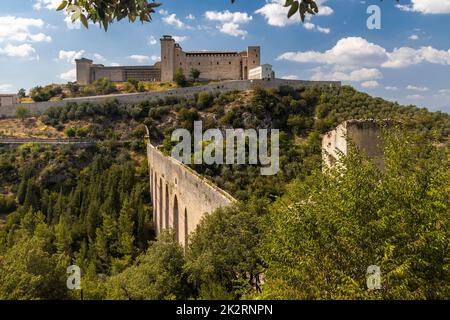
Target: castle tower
[253,58]
[83,70]
[167,58]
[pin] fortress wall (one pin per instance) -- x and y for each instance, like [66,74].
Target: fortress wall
[214,67]
[131,98]
[366,135]
[180,196]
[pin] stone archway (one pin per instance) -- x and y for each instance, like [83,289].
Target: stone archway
[176,219]
[166,213]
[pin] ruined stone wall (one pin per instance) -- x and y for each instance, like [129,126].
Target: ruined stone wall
[366,135]
[180,197]
[130,98]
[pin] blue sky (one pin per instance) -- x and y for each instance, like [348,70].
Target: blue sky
[407,60]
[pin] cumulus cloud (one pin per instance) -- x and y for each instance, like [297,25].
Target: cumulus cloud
[139,58]
[370,84]
[23,51]
[362,74]
[414,97]
[5,87]
[99,57]
[358,52]
[427,6]
[413,37]
[347,51]
[230,22]
[290,77]
[172,20]
[16,29]
[415,88]
[152,41]
[70,75]
[46,4]
[70,56]
[276,14]
[180,39]
[391,88]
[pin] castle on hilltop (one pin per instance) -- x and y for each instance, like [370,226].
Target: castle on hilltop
[213,65]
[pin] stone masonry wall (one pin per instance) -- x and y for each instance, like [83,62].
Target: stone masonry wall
[180,197]
[131,98]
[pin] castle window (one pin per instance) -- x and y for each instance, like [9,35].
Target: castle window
[199,63]
[217,62]
[229,62]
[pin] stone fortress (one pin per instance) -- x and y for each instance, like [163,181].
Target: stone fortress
[213,65]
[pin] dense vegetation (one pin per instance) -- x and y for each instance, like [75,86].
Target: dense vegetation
[303,233]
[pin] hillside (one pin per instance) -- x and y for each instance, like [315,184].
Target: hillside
[91,206]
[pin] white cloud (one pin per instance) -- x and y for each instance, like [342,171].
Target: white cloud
[323,30]
[70,75]
[358,52]
[290,77]
[230,22]
[352,51]
[163,12]
[99,57]
[414,97]
[15,29]
[23,51]
[190,17]
[363,74]
[276,14]
[391,88]
[180,39]
[172,20]
[5,87]
[72,25]
[46,4]
[155,58]
[414,88]
[427,6]
[152,41]
[232,29]
[70,56]
[227,16]
[414,37]
[370,84]
[114,64]
[139,58]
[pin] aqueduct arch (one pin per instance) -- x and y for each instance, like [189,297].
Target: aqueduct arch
[187,196]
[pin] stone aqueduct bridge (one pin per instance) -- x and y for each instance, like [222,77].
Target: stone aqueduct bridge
[180,197]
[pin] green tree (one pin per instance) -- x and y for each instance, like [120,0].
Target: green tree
[28,271]
[22,112]
[157,275]
[71,132]
[180,78]
[195,74]
[222,258]
[326,231]
[22,93]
